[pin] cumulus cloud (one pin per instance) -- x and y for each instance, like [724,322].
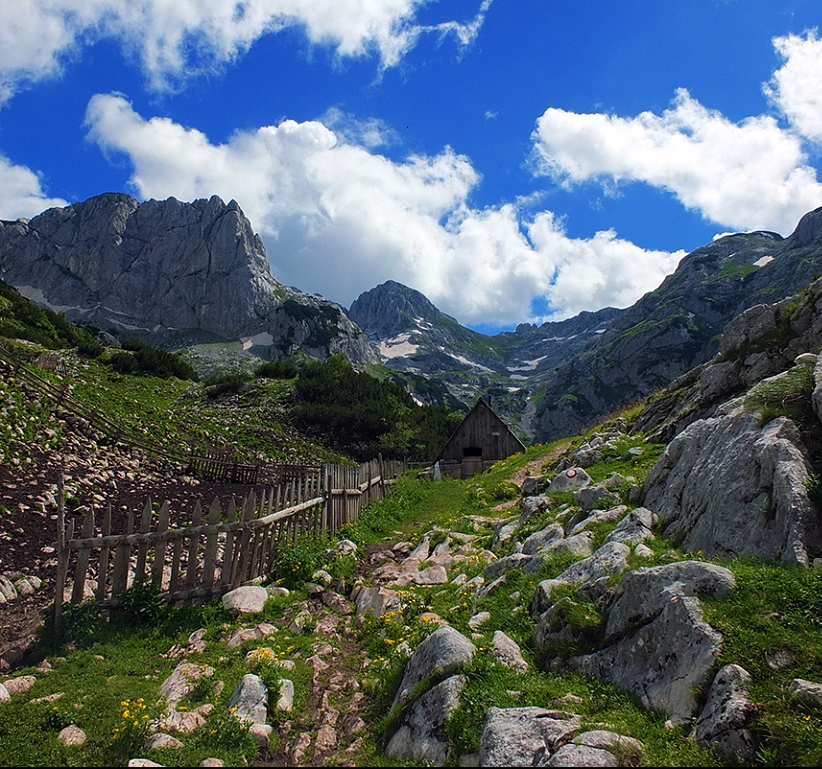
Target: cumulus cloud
[748,175]
[175,39]
[796,87]
[338,218]
[23,195]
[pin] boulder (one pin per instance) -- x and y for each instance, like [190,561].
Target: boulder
[634,527]
[250,700]
[375,600]
[506,651]
[421,737]
[582,755]
[663,661]
[572,479]
[593,497]
[628,748]
[723,723]
[543,539]
[248,599]
[611,559]
[532,506]
[441,654]
[642,594]
[597,516]
[513,561]
[524,736]
[808,693]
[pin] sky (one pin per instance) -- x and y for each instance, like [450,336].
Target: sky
[514,160]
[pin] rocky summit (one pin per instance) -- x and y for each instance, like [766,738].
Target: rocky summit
[187,272]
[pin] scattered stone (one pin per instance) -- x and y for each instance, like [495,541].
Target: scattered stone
[184,722]
[248,599]
[326,739]
[599,738]
[421,736]
[142,762]
[723,724]
[212,762]
[582,755]
[19,685]
[72,735]
[322,577]
[543,540]
[479,619]
[572,479]
[285,700]
[250,700]
[179,684]
[162,740]
[506,651]
[807,692]
[374,600]
[346,547]
[261,734]
[524,736]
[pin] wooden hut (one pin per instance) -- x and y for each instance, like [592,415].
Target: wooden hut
[482,439]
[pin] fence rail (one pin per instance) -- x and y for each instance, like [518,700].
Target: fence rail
[222,547]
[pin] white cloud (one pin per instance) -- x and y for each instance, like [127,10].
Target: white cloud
[796,87]
[339,219]
[751,175]
[22,193]
[175,39]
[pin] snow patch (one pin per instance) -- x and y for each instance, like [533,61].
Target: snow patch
[258,340]
[530,365]
[763,261]
[398,347]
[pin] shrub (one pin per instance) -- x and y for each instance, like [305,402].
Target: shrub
[140,358]
[226,383]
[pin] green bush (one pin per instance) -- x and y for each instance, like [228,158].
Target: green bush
[226,383]
[141,358]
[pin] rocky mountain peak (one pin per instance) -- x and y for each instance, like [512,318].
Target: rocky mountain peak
[391,309]
[809,229]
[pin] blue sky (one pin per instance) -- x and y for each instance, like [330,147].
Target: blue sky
[515,160]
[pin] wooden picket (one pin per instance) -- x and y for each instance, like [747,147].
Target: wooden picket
[220,549]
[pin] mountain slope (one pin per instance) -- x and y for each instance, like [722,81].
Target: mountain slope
[677,326]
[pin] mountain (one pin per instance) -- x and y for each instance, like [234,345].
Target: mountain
[677,326]
[424,344]
[182,272]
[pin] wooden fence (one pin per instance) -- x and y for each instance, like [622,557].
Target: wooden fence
[221,548]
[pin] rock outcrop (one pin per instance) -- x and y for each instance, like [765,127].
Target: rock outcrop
[728,487]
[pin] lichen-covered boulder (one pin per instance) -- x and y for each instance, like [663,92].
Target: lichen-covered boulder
[524,736]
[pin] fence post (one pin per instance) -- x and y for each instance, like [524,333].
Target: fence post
[62,548]
[77,591]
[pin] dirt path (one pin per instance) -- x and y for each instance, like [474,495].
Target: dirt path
[331,728]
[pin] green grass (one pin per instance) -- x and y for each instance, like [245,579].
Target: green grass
[776,611]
